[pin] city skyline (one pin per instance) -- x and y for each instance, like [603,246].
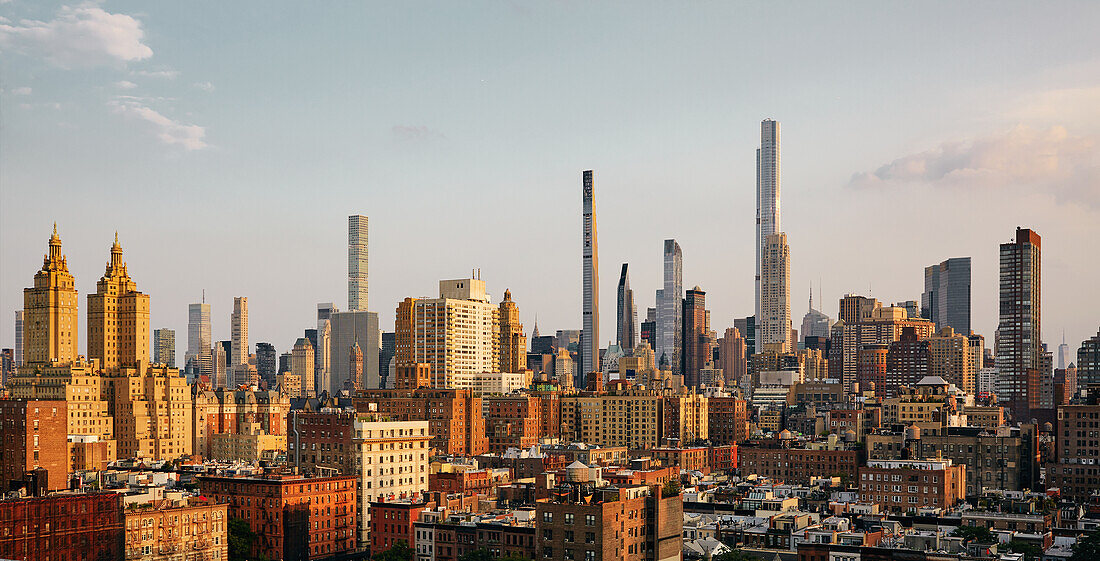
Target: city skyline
[183,189]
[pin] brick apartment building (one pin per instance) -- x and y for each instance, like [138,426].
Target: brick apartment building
[392,522]
[455,418]
[728,420]
[194,529]
[294,517]
[471,481]
[62,526]
[794,465]
[437,539]
[326,440]
[33,436]
[512,421]
[907,485]
[1077,459]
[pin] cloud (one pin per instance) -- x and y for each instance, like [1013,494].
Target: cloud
[414,132]
[204,86]
[166,74]
[125,85]
[25,90]
[190,137]
[80,36]
[1052,160]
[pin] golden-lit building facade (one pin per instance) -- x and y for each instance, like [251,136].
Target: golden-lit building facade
[118,318]
[513,342]
[50,321]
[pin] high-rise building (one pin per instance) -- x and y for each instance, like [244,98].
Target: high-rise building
[815,323]
[385,358]
[775,286]
[670,309]
[697,349]
[767,205]
[219,365]
[457,333]
[950,359]
[513,342]
[18,350]
[626,334]
[164,347]
[1088,362]
[1063,352]
[50,310]
[1020,329]
[240,331]
[7,366]
[267,363]
[323,347]
[732,357]
[301,364]
[648,330]
[118,317]
[357,263]
[946,296]
[747,327]
[590,354]
[854,308]
[199,339]
[347,328]
[882,327]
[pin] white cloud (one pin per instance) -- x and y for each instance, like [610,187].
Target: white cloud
[166,74]
[1051,161]
[80,36]
[204,86]
[169,131]
[25,90]
[125,85]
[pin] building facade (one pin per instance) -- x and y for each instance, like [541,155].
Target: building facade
[1020,327]
[357,263]
[946,296]
[775,293]
[590,278]
[767,206]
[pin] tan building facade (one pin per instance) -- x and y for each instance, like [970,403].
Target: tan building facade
[50,320]
[118,318]
[393,462]
[951,359]
[193,530]
[513,342]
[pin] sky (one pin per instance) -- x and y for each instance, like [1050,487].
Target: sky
[227,142]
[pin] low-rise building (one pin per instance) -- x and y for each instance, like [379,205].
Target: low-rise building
[181,528]
[72,526]
[31,438]
[909,485]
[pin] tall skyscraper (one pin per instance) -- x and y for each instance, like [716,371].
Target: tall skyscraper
[590,354]
[357,265]
[767,205]
[50,310]
[626,334]
[747,327]
[240,331]
[267,363]
[323,349]
[18,351]
[648,330]
[815,323]
[1063,352]
[1019,345]
[199,341]
[302,365]
[118,317]
[513,342]
[731,356]
[946,296]
[164,347]
[1088,362]
[696,341]
[347,328]
[775,283]
[670,302]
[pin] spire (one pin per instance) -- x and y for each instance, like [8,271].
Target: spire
[535,333]
[54,260]
[811,296]
[116,256]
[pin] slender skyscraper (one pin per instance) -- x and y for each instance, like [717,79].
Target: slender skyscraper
[775,324]
[18,354]
[767,204]
[590,308]
[240,331]
[198,338]
[1019,344]
[1063,352]
[696,344]
[50,310]
[164,347]
[946,296]
[357,264]
[670,303]
[627,332]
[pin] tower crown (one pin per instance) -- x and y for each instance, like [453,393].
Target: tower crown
[54,260]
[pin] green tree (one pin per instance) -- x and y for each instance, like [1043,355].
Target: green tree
[1087,548]
[241,538]
[735,555]
[979,534]
[400,551]
[1031,551]
[672,488]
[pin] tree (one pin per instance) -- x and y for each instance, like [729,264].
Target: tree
[399,551]
[1087,548]
[671,489]
[241,538]
[735,555]
[979,534]
[1031,551]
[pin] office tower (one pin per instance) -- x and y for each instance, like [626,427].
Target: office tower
[199,338]
[301,365]
[1063,352]
[590,354]
[747,327]
[240,331]
[767,205]
[267,363]
[697,350]
[284,363]
[1065,385]
[18,351]
[854,308]
[219,361]
[1018,347]
[49,310]
[457,334]
[814,323]
[946,296]
[164,347]
[775,286]
[912,309]
[951,360]
[882,327]
[7,366]
[907,362]
[670,309]
[347,328]
[648,330]
[569,339]
[1088,362]
[355,368]
[513,342]
[385,357]
[626,334]
[732,357]
[323,347]
[118,317]
[357,263]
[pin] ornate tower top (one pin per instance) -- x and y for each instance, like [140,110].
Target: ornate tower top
[54,260]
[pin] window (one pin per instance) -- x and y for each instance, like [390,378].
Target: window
[548,517]
[590,520]
[548,552]
[569,518]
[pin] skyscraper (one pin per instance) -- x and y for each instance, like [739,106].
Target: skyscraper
[590,308]
[731,356]
[1088,362]
[1063,352]
[18,351]
[50,310]
[513,342]
[199,338]
[302,365]
[357,265]
[946,296]
[696,343]
[815,323]
[775,284]
[118,317]
[164,347]
[767,205]
[267,363]
[626,334]
[323,349]
[648,330]
[347,328]
[1018,347]
[670,302]
[240,331]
